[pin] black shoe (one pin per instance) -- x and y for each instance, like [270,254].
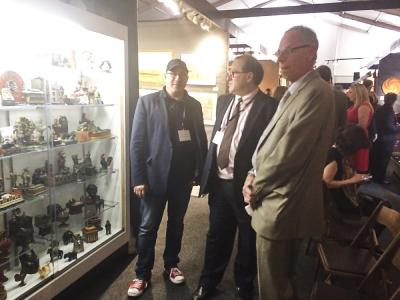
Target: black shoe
[202,293]
[244,294]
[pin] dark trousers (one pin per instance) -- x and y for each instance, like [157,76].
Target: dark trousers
[152,209]
[226,214]
[380,157]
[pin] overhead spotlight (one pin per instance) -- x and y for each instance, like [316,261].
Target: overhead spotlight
[205,25]
[195,19]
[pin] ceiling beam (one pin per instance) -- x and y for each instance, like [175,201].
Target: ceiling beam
[359,19]
[369,21]
[221,2]
[302,9]
[394,12]
[206,8]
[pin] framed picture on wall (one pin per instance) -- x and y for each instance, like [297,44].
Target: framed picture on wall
[208,103]
[199,72]
[152,68]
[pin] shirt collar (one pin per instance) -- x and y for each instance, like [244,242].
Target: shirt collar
[295,85]
[247,98]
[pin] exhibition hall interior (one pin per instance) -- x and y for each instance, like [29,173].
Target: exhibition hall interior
[71,74]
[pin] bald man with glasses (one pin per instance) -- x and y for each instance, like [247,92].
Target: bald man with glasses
[284,187]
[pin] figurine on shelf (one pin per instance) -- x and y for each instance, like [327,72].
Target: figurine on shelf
[43,223]
[90,170]
[45,270]
[78,170]
[68,237]
[94,221]
[13,179]
[71,255]
[54,251]
[23,130]
[78,244]
[105,162]
[74,206]
[53,210]
[29,265]
[93,202]
[21,229]
[39,176]
[62,217]
[60,127]
[62,169]
[26,178]
[108,227]
[90,234]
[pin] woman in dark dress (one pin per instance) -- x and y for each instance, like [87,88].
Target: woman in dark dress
[340,180]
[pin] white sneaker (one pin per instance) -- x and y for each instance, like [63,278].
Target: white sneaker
[175,275]
[137,287]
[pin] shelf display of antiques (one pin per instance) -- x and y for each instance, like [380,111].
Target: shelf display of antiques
[63,146]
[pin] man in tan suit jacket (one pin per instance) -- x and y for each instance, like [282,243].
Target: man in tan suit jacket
[284,188]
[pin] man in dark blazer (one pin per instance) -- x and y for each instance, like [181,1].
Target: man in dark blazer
[168,149]
[342,103]
[241,118]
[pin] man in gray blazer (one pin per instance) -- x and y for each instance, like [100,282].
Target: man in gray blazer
[284,188]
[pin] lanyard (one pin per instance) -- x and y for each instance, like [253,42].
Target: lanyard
[228,119]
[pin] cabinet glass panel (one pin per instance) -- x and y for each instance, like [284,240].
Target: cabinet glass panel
[61,130]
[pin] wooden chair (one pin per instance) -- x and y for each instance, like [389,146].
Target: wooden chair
[354,261]
[375,277]
[344,228]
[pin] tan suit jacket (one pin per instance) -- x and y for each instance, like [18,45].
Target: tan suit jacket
[289,164]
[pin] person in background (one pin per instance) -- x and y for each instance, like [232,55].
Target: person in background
[387,129]
[279,91]
[338,174]
[371,94]
[361,113]
[242,117]
[284,187]
[341,100]
[167,150]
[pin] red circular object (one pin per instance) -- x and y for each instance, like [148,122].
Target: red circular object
[14,82]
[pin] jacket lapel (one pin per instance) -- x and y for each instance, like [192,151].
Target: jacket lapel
[221,113]
[252,118]
[285,106]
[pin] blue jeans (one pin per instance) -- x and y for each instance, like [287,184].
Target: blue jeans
[152,209]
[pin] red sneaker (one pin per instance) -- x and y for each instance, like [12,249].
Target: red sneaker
[175,275]
[137,287]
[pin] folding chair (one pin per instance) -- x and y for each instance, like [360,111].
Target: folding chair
[376,276]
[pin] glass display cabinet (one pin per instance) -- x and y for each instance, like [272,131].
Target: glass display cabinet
[62,145]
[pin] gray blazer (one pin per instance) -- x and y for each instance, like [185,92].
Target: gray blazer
[290,162]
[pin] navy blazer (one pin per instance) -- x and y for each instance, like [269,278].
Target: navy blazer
[259,116]
[151,147]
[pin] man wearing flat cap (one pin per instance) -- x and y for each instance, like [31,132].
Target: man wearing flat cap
[168,148]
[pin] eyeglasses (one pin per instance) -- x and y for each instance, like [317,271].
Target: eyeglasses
[288,51]
[232,74]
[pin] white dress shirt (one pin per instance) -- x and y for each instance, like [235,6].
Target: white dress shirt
[245,107]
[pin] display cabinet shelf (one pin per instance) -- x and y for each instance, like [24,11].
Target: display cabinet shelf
[75,163]
[23,107]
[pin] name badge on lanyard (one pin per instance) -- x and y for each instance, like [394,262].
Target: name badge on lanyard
[218,137]
[184,135]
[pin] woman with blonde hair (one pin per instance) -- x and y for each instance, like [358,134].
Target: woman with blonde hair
[360,113]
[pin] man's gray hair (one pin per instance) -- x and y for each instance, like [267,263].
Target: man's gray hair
[308,36]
